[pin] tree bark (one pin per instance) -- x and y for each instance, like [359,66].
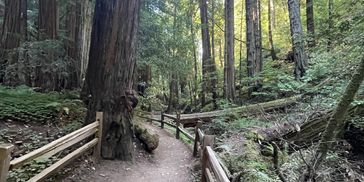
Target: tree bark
[195,69]
[310,23]
[298,43]
[209,77]
[270,29]
[73,27]
[241,53]
[110,73]
[13,33]
[229,52]
[85,37]
[253,40]
[48,22]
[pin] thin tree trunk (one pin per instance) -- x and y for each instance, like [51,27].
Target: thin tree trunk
[331,9]
[221,54]
[195,69]
[298,43]
[310,23]
[337,121]
[229,44]
[241,53]
[110,73]
[270,29]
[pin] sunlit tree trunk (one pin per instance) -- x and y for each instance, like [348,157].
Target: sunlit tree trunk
[85,36]
[241,53]
[270,29]
[110,73]
[298,42]
[229,44]
[195,68]
[310,23]
[208,67]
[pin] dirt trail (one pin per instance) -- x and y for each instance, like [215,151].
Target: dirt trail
[170,162]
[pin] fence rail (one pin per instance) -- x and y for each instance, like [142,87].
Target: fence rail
[213,169]
[53,148]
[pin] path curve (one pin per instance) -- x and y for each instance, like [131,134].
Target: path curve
[170,162]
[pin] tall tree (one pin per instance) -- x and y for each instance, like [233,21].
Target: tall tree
[48,21]
[209,77]
[298,43]
[84,39]
[13,32]
[110,73]
[330,22]
[193,40]
[270,29]
[229,52]
[310,23]
[78,17]
[253,40]
[48,26]
[241,52]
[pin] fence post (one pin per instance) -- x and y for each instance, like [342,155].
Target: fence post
[203,165]
[5,152]
[97,151]
[178,121]
[197,138]
[208,140]
[162,120]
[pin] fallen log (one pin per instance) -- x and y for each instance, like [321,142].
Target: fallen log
[149,140]
[190,120]
[310,131]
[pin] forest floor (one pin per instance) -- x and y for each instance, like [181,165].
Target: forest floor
[171,161]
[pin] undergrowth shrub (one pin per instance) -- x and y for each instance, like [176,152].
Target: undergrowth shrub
[25,105]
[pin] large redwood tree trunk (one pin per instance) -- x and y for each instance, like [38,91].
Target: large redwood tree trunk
[209,77]
[78,44]
[298,42]
[229,52]
[109,78]
[48,23]
[253,40]
[13,33]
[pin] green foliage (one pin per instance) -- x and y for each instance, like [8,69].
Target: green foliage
[26,172]
[25,105]
[251,163]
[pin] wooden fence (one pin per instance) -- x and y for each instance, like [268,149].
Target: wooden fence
[213,169]
[93,129]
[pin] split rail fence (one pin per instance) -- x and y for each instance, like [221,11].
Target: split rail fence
[49,150]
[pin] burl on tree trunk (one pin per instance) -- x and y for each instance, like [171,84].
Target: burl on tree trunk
[110,73]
